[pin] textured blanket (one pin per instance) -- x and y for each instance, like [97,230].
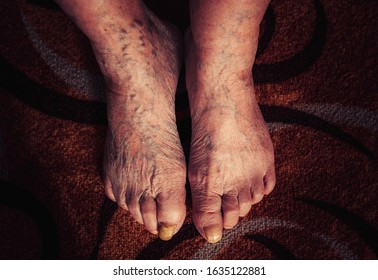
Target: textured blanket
[316,78]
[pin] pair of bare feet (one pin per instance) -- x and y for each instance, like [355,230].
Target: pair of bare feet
[231,165]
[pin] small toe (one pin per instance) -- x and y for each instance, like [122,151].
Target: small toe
[148,211]
[257,191]
[245,202]
[230,209]
[108,189]
[270,180]
[134,208]
[119,195]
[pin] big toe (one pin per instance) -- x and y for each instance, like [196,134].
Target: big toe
[207,215]
[170,213]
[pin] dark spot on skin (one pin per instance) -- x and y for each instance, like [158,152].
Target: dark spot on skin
[243,16]
[154,53]
[122,34]
[141,38]
[112,26]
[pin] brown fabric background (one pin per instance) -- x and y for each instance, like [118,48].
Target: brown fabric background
[316,78]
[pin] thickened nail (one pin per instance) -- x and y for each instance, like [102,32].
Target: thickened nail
[166,231]
[213,233]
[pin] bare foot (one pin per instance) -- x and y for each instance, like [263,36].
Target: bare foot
[231,159]
[140,57]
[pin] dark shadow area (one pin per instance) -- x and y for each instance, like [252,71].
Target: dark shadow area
[367,232]
[279,251]
[301,61]
[17,198]
[107,210]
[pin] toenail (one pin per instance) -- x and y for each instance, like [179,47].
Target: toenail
[213,233]
[166,231]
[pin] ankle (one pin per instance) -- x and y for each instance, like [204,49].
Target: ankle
[209,75]
[230,59]
[211,66]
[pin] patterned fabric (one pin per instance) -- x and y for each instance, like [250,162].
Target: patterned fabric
[316,80]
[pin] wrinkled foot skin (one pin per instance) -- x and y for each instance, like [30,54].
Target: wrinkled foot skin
[144,162]
[231,164]
[140,57]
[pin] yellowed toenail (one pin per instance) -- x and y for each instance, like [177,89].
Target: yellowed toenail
[213,233]
[166,231]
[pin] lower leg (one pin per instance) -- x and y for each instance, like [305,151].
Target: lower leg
[140,57]
[231,162]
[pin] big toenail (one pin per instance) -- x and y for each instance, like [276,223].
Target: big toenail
[166,231]
[213,233]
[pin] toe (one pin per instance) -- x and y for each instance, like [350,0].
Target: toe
[270,180]
[245,202]
[148,211]
[108,189]
[170,213]
[258,191]
[119,195]
[230,209]
[134,207]
[207,215]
